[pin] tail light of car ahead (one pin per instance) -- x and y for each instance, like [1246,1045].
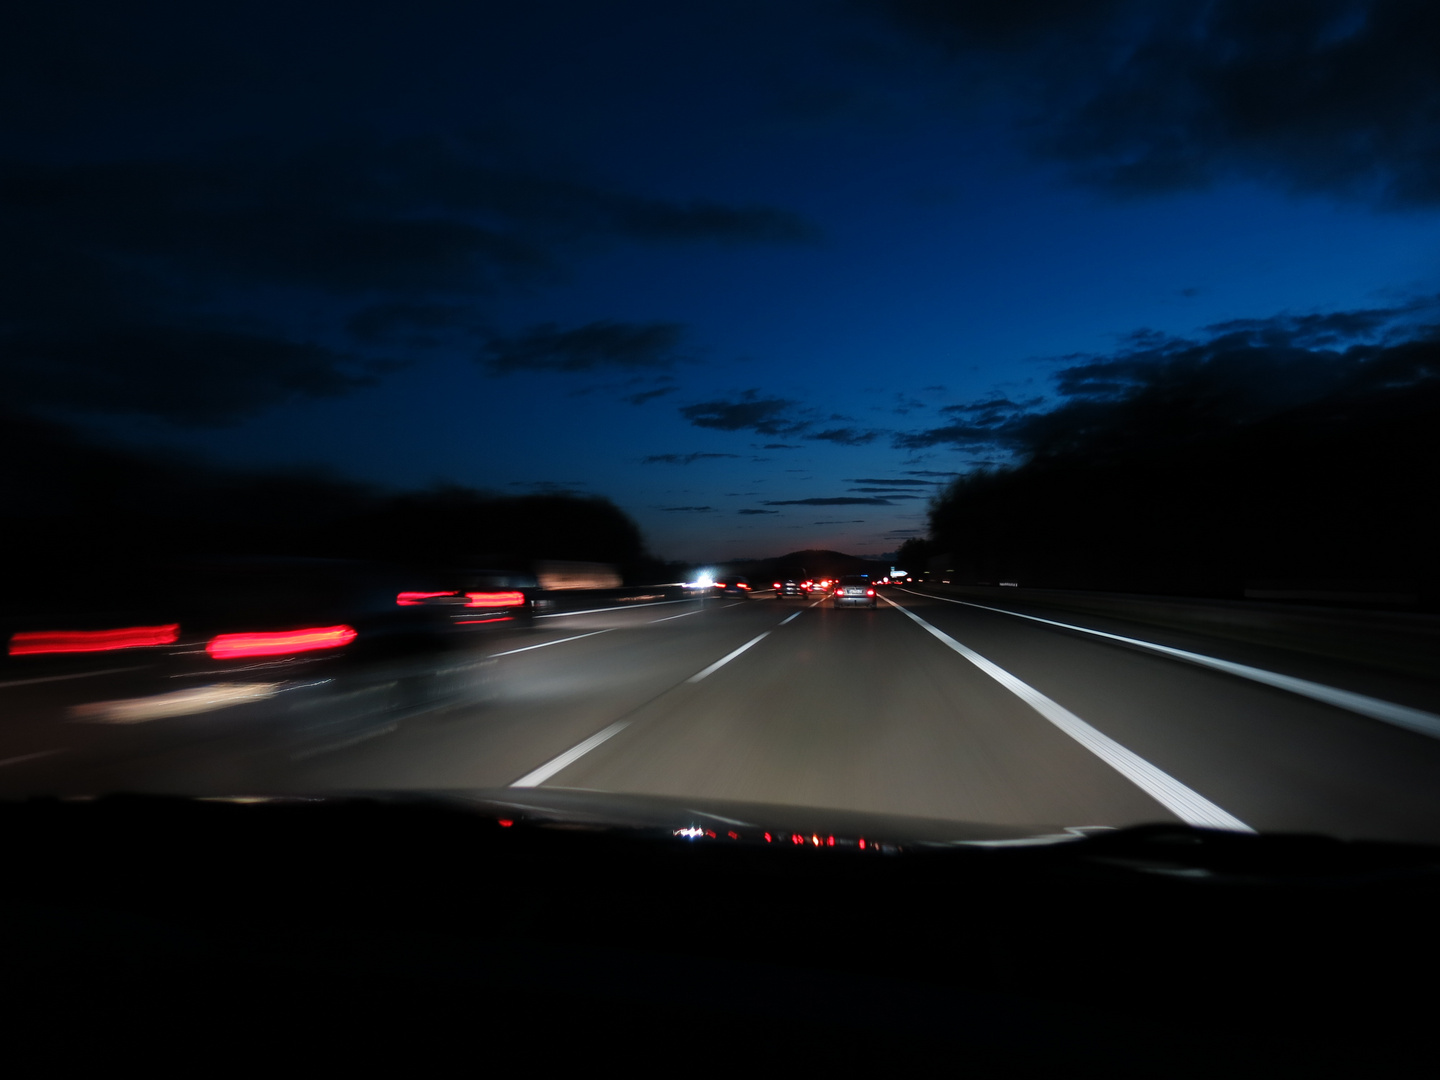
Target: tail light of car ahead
[869,592]
[495,599]
[42,642]
[414,599]
[279,642]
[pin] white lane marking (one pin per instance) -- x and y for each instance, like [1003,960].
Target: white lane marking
[682,615]
[29,757]
[78,675]
[550,768]
[718,664]
[620,607]
[557,641]
[1418,720]
[1189,806]
[789,617]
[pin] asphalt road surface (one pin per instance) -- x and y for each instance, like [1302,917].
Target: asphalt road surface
[926,706]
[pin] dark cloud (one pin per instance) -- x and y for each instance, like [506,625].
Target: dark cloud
[681,459]
[1335,96]
[107,266]
[765,416]
[845,436]
[893,483]
[828,503]
[757,511]
[929,472]
[852,521]
[893,493]
[649,395]
[687,509]
[1156,390]
[595,345]
[780,446]
[188,374]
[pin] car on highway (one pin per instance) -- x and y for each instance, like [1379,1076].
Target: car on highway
[286,652]
[734,586]
[854,590]
[789,589]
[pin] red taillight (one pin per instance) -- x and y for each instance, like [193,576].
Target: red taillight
[869,592]
[411,599]
[777,584]
[829,841]
[743,585]
[862,843]
[719,584]
[505,823]
[494,599]
[36,642]
[279,643]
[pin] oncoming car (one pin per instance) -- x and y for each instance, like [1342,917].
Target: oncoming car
[854,590]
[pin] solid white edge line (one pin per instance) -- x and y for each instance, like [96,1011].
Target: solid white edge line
[620,607]
[1417,720]
[557,641]
[1189,806]
[538,776]
[788,618]
[29,757]
[718,664]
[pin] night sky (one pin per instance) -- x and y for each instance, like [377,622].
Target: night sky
[765,274]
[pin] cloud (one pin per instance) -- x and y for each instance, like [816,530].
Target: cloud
[890,492]
[765,416]
[757,511]
[687,509]
[845,436]
[894,483]
[1336,98]
[930,472]
[602,344]
[649,395]
[681,459]
[780,446]
[853,521]
[828,503]
[1158,390]
[131,281]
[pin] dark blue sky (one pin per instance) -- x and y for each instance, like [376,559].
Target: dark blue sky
[763,277]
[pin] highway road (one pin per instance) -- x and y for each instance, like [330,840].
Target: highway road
[927,706]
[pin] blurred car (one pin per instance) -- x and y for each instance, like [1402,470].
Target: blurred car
[789,588]
[734,586]
[288,652]
[854,590]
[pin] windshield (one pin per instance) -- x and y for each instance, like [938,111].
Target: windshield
[476,396]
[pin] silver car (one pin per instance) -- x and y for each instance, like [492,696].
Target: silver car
[854,590]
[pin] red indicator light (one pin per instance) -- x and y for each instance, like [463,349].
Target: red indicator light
[411,599]
[505,823]
[733,835]
[279,643]
[767,838]
[862,843]
[829,841]
[495,599]
[797,839]
[36,642]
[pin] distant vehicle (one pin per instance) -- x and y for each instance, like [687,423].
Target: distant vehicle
[789,588]
[734,586]
[854,590]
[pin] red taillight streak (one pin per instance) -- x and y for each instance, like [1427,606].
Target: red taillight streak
[733,835]
[797,839]
[411,599]
[36,642]
[495,599]
[862,843]
[279,643]
[505,823]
